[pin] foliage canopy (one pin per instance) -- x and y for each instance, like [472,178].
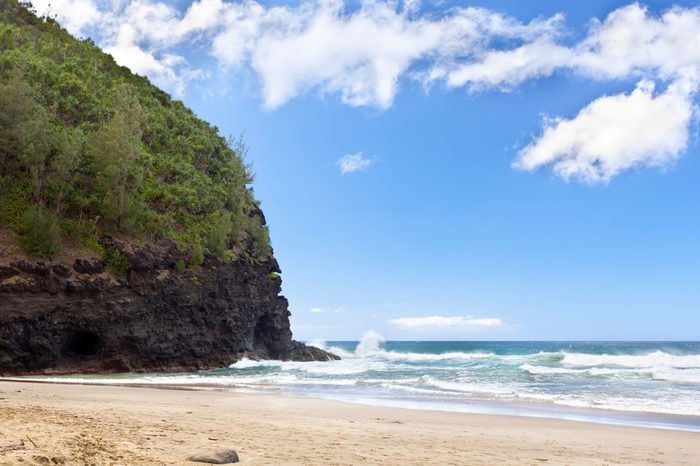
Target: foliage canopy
[83,141]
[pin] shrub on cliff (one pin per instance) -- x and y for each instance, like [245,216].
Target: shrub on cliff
[116,261]
[39,233]
[95,143]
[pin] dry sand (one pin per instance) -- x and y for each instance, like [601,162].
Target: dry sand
[78,424]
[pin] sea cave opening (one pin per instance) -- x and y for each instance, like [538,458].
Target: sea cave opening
[264,328]
[83,344]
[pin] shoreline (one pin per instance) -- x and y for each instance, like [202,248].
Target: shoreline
[151,425]
[520,409]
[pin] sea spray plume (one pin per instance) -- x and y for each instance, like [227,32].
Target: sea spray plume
[318,343]
[371,343]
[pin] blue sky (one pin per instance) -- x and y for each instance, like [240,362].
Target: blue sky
[516,170]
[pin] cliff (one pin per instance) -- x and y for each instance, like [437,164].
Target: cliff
[130,237]
[81,317]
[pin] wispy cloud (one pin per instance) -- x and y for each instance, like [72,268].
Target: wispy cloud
[358,53]
[446,322]
[630,42]
[319,310]
[351,163]
[361,53]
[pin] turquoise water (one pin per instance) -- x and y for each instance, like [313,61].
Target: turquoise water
[641,383]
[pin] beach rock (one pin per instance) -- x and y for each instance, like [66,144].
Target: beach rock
[31,268]
[61,270]
[302,352]
[89,266]
[6,271]
[215,457]
[82,318]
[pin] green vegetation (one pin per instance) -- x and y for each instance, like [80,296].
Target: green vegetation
[87,148]
[39,233]
[180,266]
[117,261]
[196,258]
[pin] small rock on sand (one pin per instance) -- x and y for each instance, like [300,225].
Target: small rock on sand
[215,457]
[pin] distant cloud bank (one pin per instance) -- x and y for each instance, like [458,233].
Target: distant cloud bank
[445,322]
[361,54]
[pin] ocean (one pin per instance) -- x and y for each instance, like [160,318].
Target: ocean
[655,384]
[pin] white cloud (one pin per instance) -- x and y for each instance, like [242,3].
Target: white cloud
[351,163]
[615,133]
[509,68]
[631,41]
[612,134]
[201,16]
[73,14]
[319,310]
[443,322]
[360,53]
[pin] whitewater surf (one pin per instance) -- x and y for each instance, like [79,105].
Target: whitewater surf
[641,383]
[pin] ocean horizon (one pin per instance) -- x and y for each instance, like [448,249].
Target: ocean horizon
[640,383]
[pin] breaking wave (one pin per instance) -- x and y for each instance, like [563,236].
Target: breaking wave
[631,377]
[654,359]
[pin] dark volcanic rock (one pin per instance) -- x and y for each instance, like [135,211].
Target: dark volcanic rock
[31,268]
[301,352]
[89,266]
[60,319]
[61,270]
[6,271]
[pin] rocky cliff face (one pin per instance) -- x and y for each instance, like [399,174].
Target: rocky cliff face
[81,317]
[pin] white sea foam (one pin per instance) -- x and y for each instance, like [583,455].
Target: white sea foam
[542,356]
[677,375]
[536,370]
[412,389]
[466,386]
[340,352]
[639,405]
[607,371]
[654,359]
[656,381]
[371,346]
[418,357]
[246,363]
[596,371]
[342,367]
[318,343]
[137,380]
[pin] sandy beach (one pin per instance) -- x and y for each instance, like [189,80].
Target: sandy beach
[78,424]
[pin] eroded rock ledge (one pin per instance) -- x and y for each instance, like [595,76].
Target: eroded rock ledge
[82,317]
